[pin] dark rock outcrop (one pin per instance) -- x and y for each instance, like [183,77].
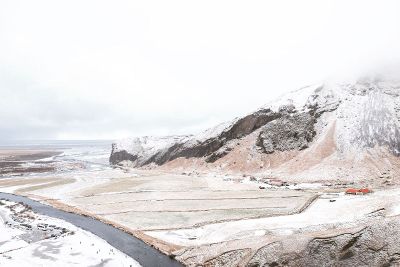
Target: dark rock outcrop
[221,152]
[240,128]
[287,133]
[200,148]
[118,156]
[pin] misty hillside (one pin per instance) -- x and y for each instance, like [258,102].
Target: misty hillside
[320,132]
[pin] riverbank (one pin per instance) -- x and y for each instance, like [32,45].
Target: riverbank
[32,239]
[24,209]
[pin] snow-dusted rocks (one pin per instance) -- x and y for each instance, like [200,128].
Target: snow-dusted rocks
[140,150]
[159,150]
[340,128]
[287,133]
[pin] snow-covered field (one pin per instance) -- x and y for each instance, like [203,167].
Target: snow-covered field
[29,239]
[328,212]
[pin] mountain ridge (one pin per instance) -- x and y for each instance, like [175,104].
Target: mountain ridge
[335,130]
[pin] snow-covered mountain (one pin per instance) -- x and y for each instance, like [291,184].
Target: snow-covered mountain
[319,132]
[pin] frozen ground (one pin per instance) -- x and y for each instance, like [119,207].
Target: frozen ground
[323,214]
[29,239]
[150,200]
[200,217]
[213,219]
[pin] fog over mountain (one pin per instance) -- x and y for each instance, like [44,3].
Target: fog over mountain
[102,69]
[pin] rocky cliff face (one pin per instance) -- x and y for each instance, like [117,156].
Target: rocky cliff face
[335,122]
[197,146]
[289,132]
[369,245]
[374,245]
[142,150]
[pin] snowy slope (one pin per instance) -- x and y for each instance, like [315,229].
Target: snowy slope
[351,124]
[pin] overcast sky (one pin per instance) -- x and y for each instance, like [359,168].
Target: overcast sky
[90,69]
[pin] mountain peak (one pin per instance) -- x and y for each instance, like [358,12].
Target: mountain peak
[327,131]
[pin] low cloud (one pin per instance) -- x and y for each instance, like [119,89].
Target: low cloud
[84,70]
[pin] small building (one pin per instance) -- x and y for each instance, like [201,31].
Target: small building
[365,191]
[351,191]
[362,191]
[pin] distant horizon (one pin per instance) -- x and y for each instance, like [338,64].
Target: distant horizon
[50,143]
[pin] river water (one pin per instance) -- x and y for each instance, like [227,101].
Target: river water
[130,245]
